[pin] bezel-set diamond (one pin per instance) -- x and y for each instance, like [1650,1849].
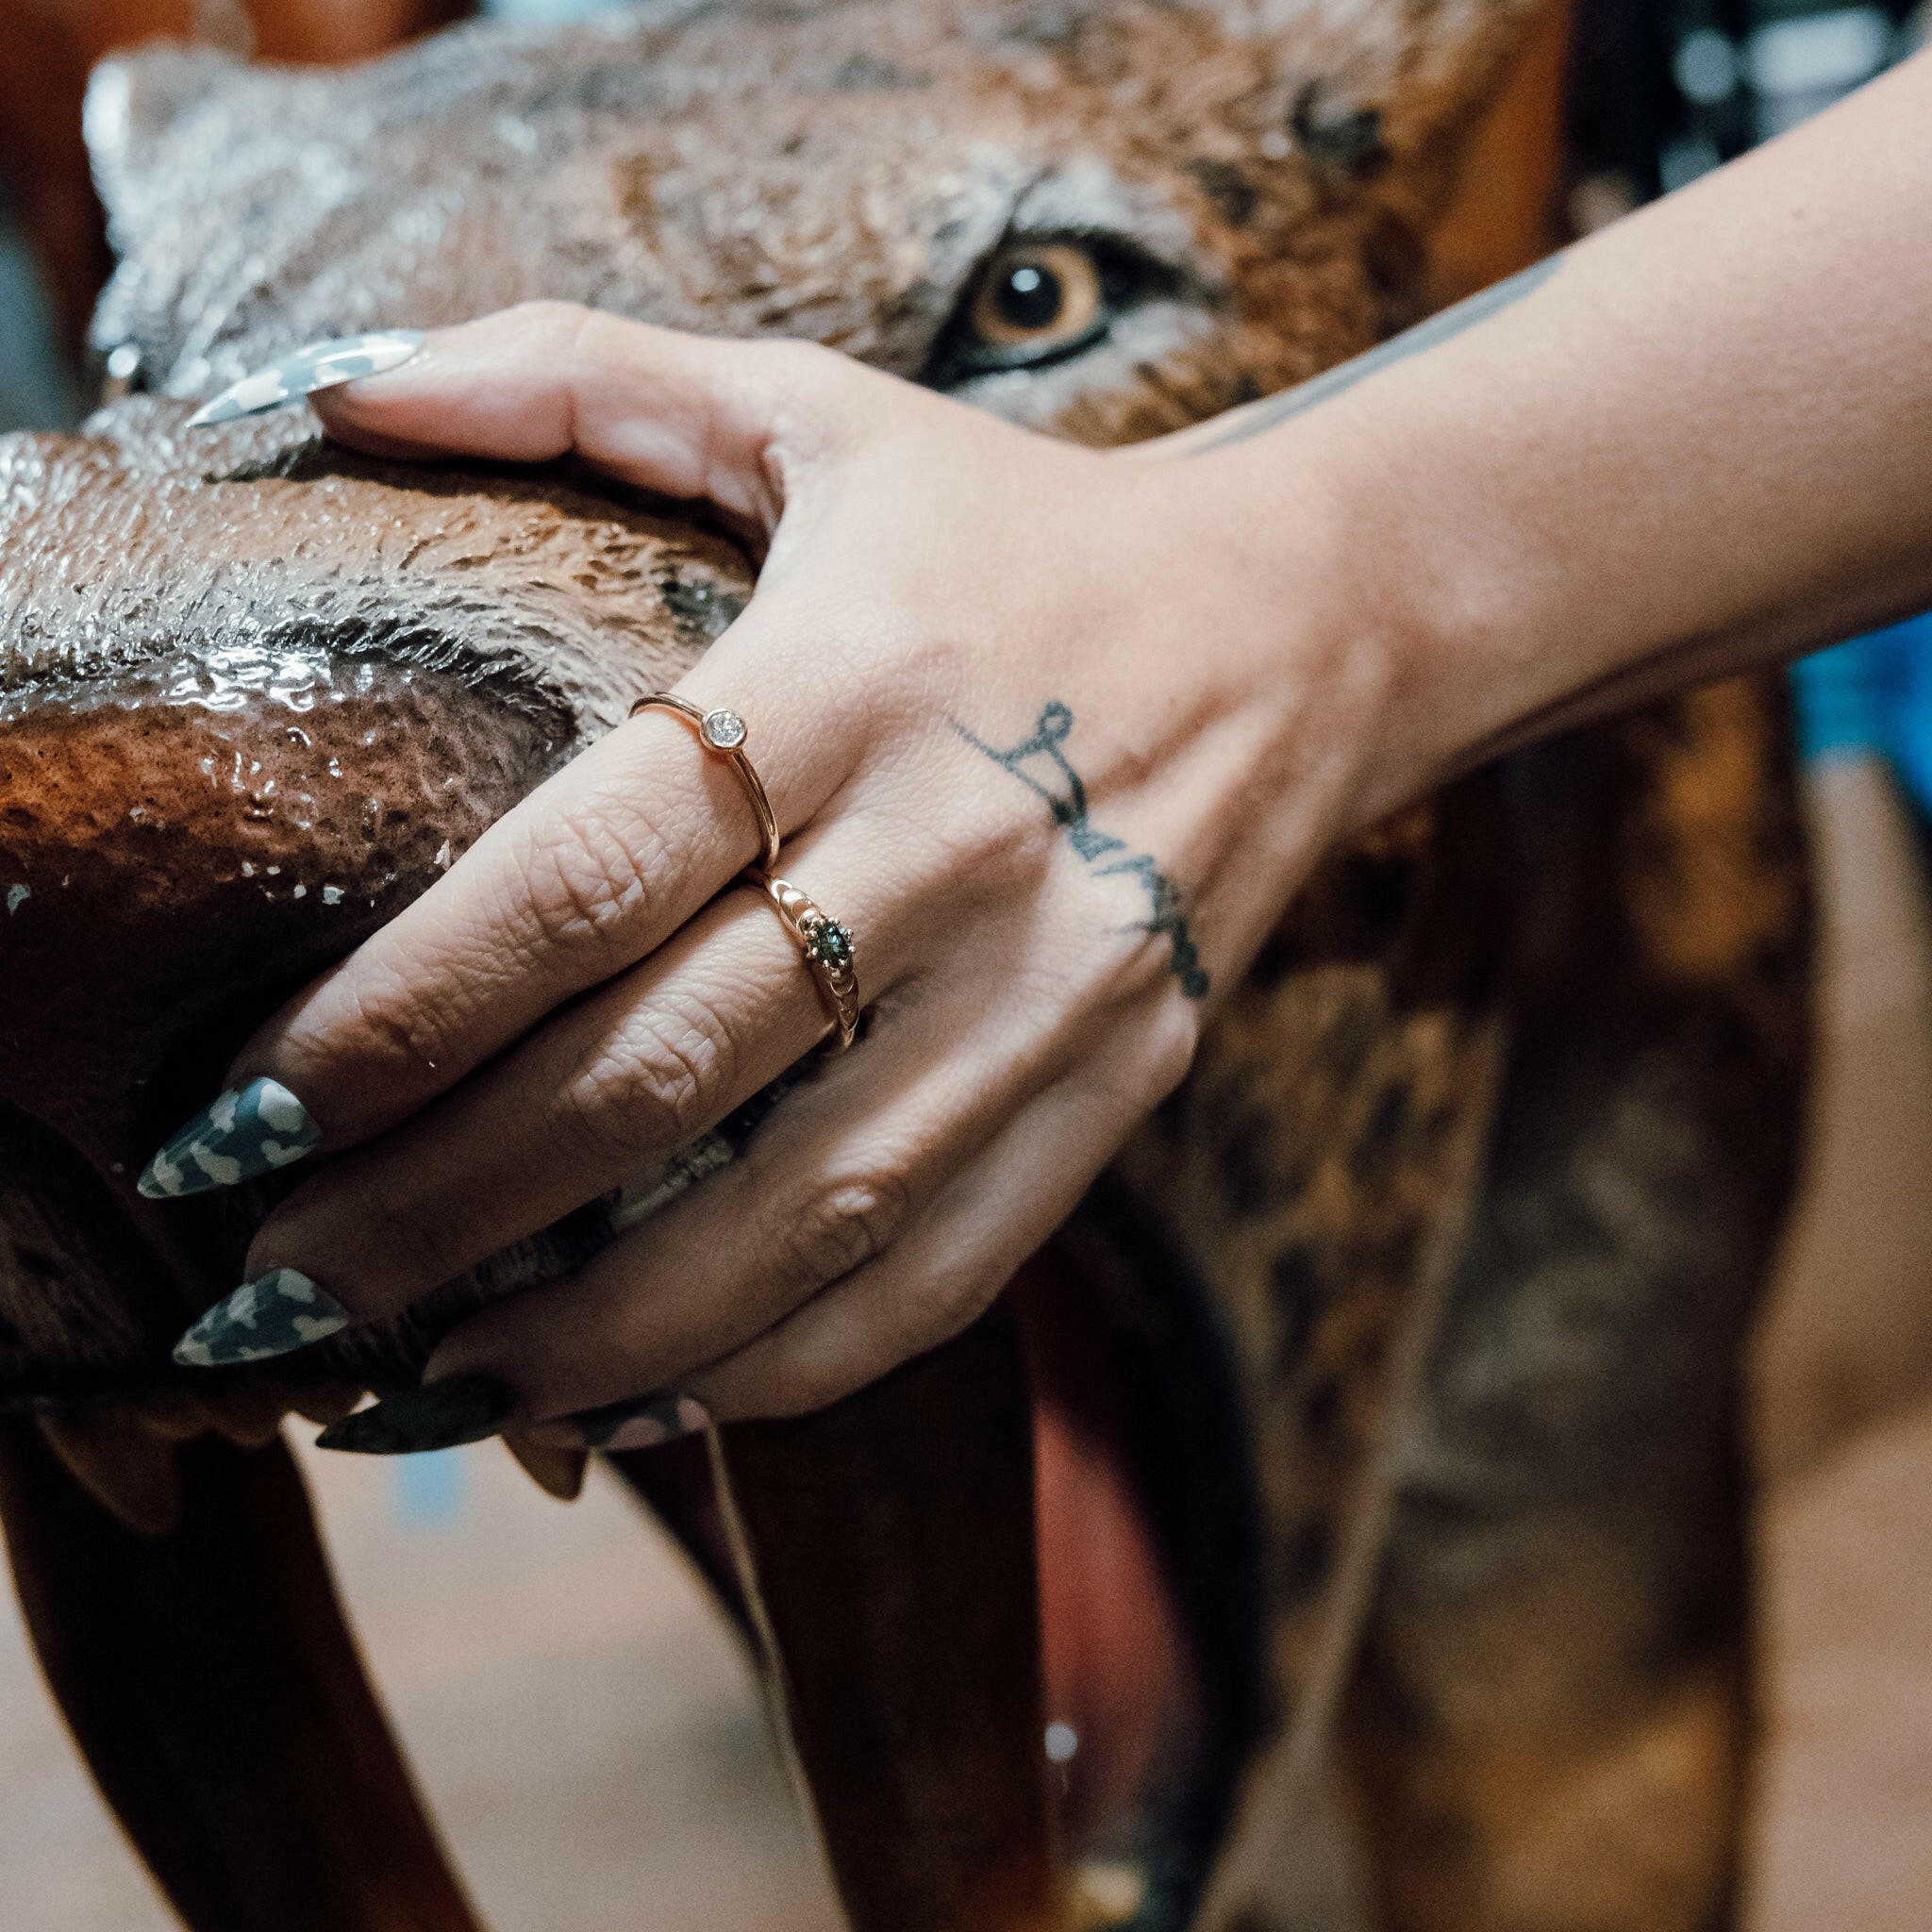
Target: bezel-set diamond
[722,732]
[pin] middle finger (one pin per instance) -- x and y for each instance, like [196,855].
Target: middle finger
[604,1095]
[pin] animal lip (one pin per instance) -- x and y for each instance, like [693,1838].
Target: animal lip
[266,666]
[185,842]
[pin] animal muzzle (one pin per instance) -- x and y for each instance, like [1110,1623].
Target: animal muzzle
[255,697]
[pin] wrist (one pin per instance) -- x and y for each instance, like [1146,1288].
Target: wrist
[1297,661]
[1342,643]
[1400,595]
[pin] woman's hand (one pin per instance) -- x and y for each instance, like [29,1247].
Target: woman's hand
[1055,734]
[1035,724]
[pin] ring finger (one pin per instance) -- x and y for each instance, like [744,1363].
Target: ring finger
[601,1096]
[825,1189]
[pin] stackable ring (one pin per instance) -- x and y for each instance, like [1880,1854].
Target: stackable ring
[827,949]
[724,733]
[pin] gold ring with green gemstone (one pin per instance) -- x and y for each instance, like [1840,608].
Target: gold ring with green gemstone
[826,948]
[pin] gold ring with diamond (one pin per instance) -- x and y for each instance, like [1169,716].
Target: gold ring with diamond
[827,949]
[724,733]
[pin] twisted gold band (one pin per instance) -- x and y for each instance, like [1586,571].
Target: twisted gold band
[827,949]
[724,733]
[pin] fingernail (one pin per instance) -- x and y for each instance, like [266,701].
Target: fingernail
[275,1314]
[250,1130]
[321,365]
[438,1415]
[642,1422]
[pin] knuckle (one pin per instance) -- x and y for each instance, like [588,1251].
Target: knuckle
[794,362]
[375,1040]
[585,887]
[960,1297]
[650,1087]
[595,336]
[555,324]
[845,1220]
[819,393]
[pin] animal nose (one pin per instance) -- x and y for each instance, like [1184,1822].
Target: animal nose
[255,695]
[183,842]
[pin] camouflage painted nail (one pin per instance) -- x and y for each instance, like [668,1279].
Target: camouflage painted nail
[438,1415]
[319,366]
[275,1314]
[642,1422]
[249,1131]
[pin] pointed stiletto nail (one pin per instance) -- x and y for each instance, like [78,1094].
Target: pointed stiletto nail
[438,1415]
[642,1422]
[249,1131]
[275,1314]
[320,365]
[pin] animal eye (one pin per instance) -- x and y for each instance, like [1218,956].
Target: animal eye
[1039,301]
[1041,296]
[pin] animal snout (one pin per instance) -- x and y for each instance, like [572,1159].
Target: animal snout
[255,697]
[183,841]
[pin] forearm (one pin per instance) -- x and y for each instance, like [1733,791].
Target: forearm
[1703,438]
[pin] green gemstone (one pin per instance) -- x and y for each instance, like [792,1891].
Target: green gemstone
[830,944]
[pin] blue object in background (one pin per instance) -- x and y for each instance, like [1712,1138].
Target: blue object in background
[1873,694]
[429,1488]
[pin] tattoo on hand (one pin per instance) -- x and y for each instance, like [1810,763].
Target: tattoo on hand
[1242,424]
[1104,855]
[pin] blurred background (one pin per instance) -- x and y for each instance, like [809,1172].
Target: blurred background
[588,1730]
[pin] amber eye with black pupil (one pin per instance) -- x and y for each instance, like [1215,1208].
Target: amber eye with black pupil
[1040,295]
[1044,299]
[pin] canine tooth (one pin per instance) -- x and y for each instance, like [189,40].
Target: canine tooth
[558,1473]
[327,1403]
[1107,1891]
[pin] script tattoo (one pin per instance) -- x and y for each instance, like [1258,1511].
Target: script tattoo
[1040,764]
[1238,425]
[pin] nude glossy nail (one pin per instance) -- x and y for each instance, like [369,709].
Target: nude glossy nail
[275,1314]
[315,366]
[249,1131]
[438,1415]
